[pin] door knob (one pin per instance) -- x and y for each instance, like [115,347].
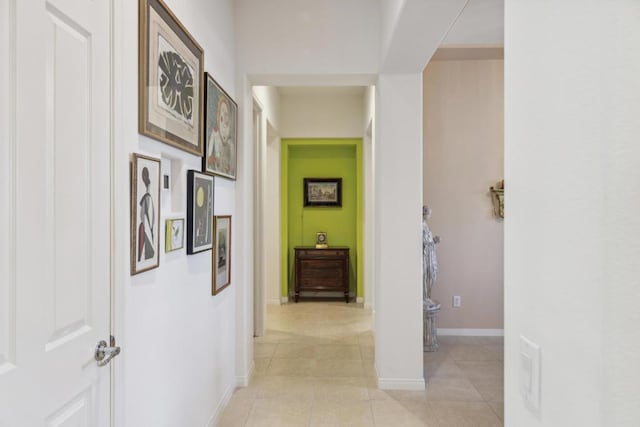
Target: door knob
[105,353]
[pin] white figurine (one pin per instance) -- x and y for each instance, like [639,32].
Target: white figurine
[429,261]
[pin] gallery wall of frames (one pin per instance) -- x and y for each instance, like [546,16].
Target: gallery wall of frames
[181,105]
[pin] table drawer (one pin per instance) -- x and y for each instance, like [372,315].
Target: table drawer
[322,253]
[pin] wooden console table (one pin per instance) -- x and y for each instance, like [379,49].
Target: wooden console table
[322,270]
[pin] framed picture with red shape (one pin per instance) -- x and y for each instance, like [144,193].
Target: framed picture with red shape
[145,213]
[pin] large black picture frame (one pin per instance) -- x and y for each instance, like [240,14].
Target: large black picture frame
[324,192]
[200,192]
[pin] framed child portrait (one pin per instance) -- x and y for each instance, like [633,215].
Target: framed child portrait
[145,213]
[221,259]
[221,131]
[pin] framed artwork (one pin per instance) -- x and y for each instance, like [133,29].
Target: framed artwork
[221,131]
[323,192]
[170,80]
[145,213]
[174,234]
[199,212]
[221,260]
[321,240]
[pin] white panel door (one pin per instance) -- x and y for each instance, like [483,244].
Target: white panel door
[55,205]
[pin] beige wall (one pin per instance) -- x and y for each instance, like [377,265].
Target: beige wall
[463,157]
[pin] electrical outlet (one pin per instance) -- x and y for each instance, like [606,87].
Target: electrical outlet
[457,301]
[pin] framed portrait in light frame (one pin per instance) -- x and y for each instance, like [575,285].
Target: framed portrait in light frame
[221,131]
[145,213]
[171,79]
[221,258]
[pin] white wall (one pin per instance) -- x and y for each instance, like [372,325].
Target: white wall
[398,244]
[463,158]
[572,102]
[178,341]
[413,30]
[369,214]
[269,99]
[307,36]
[480,23]
[322,113]
[390,11]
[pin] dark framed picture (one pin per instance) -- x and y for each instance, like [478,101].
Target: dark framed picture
[221,131]
[323,192]
[221,259]
[174,234]
[171,73]
[199,212]
[145,213]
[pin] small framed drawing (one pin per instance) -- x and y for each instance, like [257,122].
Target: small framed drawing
[221,260]
[174,234]
[221,131]
[323,192]
[199,212]
[145,213]
[170,80]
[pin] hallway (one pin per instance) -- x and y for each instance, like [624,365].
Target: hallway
[314,367]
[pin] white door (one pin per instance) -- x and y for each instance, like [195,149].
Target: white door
[55,207]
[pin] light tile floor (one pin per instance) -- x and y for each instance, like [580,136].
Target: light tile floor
[314,367]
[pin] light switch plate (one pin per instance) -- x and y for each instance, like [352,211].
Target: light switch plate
[530,372]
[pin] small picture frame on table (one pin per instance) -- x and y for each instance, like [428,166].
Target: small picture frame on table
[221,259]
[199,212]
[145,213]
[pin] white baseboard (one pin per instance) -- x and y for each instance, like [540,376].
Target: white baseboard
[413,384]
[284,300]
[471,332]
[243,381]
[273,301]
[359,300]
[215,417]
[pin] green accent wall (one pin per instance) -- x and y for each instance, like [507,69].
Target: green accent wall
[321,158]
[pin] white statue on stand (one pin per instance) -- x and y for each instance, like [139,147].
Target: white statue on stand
[429,261]
[431,308]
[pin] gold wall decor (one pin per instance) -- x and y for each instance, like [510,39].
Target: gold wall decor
[321,240]
[497,195]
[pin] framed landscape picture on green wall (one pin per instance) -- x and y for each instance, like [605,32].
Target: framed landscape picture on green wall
[323,192]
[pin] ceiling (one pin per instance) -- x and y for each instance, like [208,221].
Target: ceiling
[477,33]
[481,22]
[321,90]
